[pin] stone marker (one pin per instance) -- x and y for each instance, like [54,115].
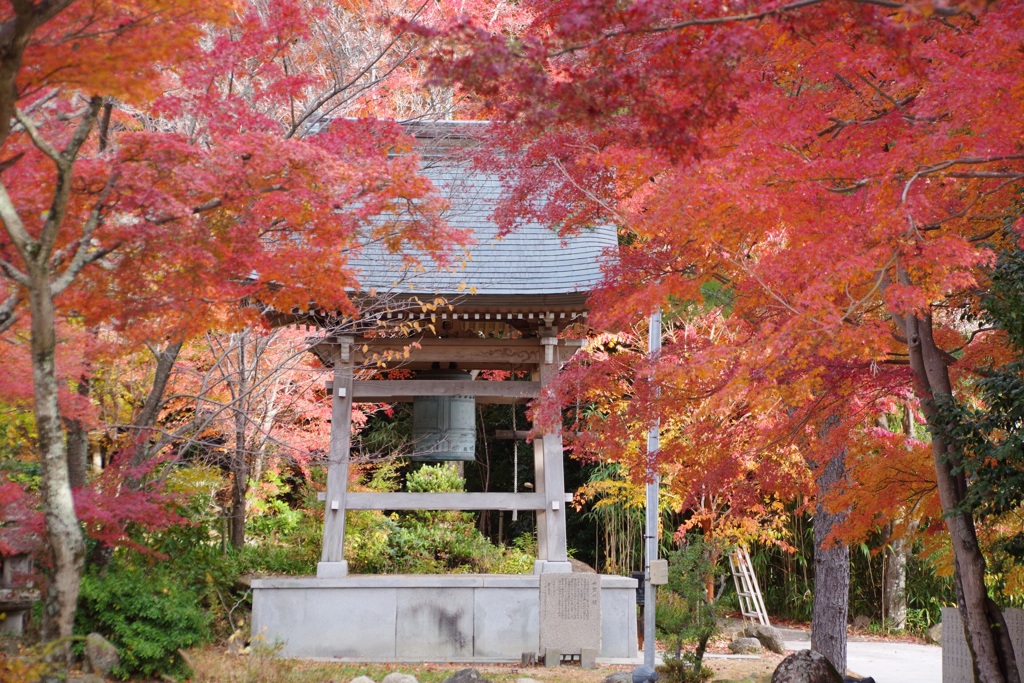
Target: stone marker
[570,613]
[769,636]
[806,666]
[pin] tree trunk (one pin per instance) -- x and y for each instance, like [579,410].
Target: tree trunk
[831,574]
[894,584]
[240,461]
[78,443]
[78,453]
[146,419]
[66,544]
[894,564]
[236,522]
[984,625]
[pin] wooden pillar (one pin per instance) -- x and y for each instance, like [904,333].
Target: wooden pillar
[332,560]
[550,475]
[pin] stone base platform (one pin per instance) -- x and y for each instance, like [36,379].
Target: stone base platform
[477,618]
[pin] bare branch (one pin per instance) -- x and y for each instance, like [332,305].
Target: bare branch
[342,87]
[41,143]
[23,242]
[882,93]
[84,252]
[7,315]
[212,204]
[15,33]
[949,163]
[713,21]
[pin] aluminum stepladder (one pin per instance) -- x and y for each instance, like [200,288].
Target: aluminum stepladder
[749,593]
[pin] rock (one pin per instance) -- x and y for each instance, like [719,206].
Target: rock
[580,567]
[397,677]
[100,654]
[466,676]
[746,646]
[769,636]
[806,666]
[527,680]
[862,622]
[362,679]
[854,679]
[934,634]
[619,677]
[86,678]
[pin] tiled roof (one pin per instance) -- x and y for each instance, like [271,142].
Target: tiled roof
[530,262]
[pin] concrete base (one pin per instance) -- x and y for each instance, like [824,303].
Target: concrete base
[421,618]
[548,567]
[332,570]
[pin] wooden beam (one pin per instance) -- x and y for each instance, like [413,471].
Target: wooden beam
[509,435]
[468,353]
[444,501]
[405,389]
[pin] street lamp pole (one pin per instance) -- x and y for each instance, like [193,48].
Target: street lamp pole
[651,531]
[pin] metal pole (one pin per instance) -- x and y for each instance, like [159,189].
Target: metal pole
[651,533]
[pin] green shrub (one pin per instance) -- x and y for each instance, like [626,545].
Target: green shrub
[147,616]
[683,613]
[423,541]
[685,669]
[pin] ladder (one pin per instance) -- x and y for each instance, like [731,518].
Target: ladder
[749,593]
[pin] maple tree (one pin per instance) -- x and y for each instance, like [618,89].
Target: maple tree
[140,138]
[843,167]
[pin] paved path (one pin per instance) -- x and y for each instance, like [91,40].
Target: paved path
[887,661]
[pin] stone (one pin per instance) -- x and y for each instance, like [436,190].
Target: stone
[466,676]
[397,677]
[362,679]
[934,634]
[580,567]
[588,658]
[769,636]
[552,657]
[746,646]
[862,622]
[527,680]
[570,612]
[100,654]
[806,666]
[854,679]
[86,678]
[619,677]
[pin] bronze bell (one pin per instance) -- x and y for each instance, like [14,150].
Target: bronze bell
[444,427]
